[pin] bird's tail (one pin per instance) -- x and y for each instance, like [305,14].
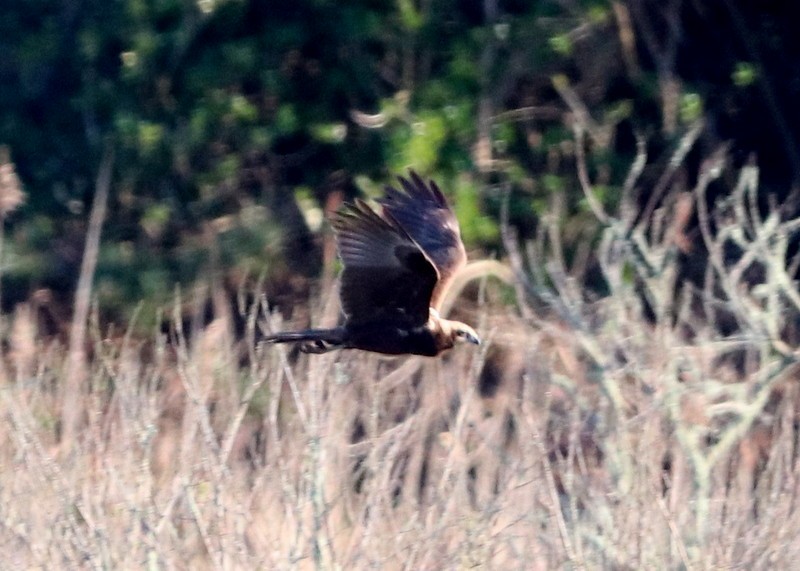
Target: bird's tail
[311,340]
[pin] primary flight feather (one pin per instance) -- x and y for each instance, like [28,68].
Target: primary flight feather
[398,264]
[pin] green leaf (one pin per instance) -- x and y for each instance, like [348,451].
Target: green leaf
[286,120]
[561,44]
[744,74]
[410,17]
[150,137]
[691,107]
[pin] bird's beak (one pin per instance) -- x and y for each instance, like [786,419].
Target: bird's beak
[474,339]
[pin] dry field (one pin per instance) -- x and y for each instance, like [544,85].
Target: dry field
[622,430]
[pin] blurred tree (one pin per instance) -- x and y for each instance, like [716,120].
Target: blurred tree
[236,123]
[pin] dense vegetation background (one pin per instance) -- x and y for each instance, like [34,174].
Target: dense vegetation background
[236,124]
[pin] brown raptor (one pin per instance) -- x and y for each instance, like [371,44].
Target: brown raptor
[398,264]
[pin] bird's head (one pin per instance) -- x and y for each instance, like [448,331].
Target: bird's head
[464,333]
[450,332]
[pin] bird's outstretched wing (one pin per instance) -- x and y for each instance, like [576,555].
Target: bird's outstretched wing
[421,210]
[386,275]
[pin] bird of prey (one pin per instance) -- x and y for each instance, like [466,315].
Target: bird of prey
[398,263]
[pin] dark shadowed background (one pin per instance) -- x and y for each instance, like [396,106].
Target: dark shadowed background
[237,123]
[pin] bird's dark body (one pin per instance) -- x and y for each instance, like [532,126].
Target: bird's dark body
[378,336]
[391,339]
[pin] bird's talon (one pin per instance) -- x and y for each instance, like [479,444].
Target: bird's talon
[315,347]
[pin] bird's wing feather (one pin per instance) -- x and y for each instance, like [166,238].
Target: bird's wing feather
[422,211]
[386,275]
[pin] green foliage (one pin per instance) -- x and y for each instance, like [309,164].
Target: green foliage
[475,226]
[691,107]
[561,44]
[744,74]
[218,105]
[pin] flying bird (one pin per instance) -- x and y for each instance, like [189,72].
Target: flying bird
[398,263]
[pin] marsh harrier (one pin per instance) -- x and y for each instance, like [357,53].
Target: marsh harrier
[398,263]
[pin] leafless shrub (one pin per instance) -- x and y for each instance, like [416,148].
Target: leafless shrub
[585,433]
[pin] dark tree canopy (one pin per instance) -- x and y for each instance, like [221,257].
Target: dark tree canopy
[237,124]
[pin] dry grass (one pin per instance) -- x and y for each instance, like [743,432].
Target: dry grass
[581,435]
